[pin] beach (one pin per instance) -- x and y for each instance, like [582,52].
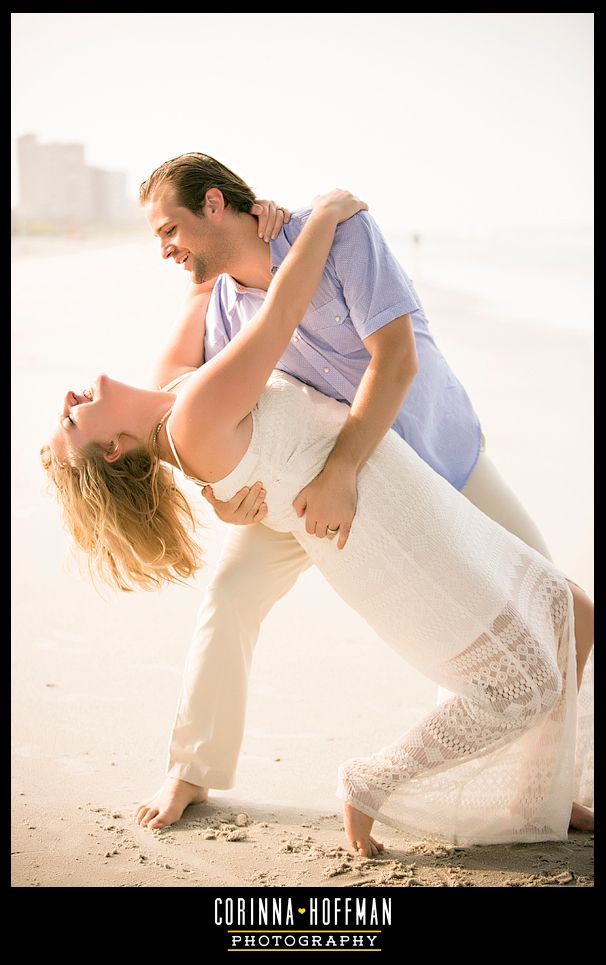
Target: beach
[95,679]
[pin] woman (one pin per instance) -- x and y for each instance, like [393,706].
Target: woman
[462,599]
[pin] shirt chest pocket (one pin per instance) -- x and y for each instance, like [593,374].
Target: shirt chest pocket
[332,324]
[333,312]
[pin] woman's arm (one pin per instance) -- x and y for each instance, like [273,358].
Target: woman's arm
[227,387]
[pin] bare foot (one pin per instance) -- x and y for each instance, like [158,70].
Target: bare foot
[168,804]
[581,818]
[357,828]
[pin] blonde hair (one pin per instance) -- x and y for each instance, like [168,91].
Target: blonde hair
[128,516]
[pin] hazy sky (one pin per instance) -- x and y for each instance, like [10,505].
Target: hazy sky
[436,120]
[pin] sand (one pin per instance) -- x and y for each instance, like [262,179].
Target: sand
[213,847]
[96,680]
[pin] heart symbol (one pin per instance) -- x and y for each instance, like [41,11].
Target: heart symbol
[301,910]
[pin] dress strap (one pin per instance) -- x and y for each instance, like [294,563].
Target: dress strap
[176,455]
[172,445]
[170,385]
[167,388]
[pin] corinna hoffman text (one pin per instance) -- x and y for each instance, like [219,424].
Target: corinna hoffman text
[273,923]
[335,912]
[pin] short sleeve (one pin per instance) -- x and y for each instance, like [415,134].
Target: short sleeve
[375,287]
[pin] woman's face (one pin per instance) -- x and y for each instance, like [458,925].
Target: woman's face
[95,414]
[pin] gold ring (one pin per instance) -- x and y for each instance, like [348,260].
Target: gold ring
[331,532]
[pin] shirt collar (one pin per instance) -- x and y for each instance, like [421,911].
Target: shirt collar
[282,245]
[233,290]
[278,250]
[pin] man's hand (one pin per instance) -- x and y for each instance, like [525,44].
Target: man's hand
[271,219]
[247,506]
[329,502]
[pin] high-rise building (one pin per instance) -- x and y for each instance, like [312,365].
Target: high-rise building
[57,188]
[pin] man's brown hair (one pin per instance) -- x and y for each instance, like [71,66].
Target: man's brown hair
[191,175]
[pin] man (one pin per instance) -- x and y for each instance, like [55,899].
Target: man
[364,340]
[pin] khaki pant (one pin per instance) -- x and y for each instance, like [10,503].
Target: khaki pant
[257,568]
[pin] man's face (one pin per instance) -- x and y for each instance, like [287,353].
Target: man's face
[194,241]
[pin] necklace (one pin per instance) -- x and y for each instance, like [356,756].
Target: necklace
[158,428]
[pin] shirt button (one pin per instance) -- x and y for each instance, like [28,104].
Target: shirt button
[337,318]
[327,371]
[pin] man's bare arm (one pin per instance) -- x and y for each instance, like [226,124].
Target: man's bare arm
[184,350]
[382,390]
[330,499]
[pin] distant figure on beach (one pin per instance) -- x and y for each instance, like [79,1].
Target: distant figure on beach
[468,603]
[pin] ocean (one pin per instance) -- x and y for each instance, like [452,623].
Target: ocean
[540,275]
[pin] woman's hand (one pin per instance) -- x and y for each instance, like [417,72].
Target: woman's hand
[339,204]
[246,506]
[271,218]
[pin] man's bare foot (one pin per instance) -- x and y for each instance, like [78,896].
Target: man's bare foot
[357,828]
[581,818]
[168,804]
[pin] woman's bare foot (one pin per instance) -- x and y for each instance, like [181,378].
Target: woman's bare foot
[168,804]
[357,828]
[581,818]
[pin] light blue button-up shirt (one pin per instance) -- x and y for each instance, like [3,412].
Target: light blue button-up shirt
[363,288]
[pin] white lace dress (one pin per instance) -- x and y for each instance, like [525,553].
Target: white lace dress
[465,602]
